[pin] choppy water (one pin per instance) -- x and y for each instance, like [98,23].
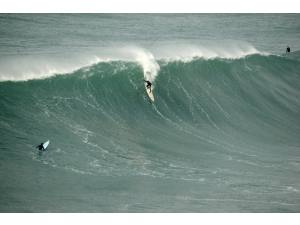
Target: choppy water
[222,135]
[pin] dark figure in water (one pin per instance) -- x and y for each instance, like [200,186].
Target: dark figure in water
[288,49]
[40,147]
[148,86]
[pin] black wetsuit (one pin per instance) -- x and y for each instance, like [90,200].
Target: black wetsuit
[40,147]
[148,86]
[288,49]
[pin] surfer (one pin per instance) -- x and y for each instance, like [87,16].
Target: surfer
[41,147]
[288,49]
[149,84]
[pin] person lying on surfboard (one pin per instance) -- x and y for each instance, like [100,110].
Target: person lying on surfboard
[40,147]
[149,84]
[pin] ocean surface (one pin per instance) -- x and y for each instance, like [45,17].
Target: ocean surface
[223,134]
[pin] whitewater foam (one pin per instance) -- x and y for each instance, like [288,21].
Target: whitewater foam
[30,67]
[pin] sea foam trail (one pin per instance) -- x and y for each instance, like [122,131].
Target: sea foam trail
[28,67]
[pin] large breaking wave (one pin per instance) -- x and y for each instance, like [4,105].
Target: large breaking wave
[241,110]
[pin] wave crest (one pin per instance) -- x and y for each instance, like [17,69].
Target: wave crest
[22,68]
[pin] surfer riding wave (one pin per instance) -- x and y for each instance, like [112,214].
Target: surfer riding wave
[148,85]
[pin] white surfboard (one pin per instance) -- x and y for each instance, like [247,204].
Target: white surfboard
[150,92]
[45,145]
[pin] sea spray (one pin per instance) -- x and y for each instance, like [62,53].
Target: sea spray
[146,60]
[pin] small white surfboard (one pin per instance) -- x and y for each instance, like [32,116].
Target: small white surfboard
[150,92]
[45,145]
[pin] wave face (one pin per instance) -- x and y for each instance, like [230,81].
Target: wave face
[222,135]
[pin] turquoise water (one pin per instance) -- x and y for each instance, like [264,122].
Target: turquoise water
[221,136]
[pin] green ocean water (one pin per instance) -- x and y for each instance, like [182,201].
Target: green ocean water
[221,136]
